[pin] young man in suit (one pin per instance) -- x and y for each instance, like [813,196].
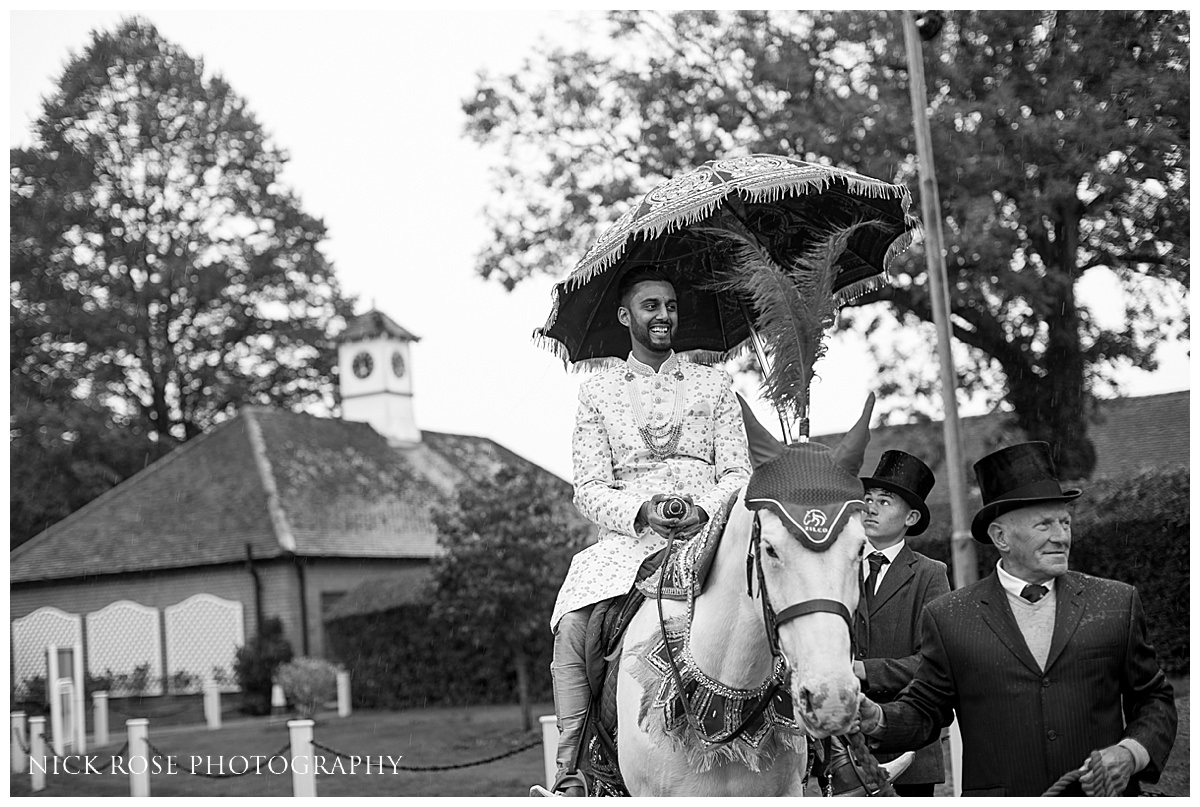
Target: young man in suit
[1050,671]
[898,583]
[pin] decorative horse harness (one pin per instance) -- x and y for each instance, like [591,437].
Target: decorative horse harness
[799,473]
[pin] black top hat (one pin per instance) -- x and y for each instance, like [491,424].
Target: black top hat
[1012,478]
[904,474]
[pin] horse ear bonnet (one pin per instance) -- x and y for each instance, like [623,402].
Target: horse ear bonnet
[811,495]
[806,487]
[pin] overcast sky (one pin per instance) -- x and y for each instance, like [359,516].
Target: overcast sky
[368,104]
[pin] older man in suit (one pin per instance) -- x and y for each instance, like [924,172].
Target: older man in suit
[898,583]
[1049,671]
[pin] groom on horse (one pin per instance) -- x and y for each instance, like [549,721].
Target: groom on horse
[659,446]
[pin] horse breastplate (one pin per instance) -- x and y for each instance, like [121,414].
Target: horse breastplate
[719,709]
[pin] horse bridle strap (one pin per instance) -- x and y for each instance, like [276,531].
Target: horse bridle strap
[815,607]
[773,620]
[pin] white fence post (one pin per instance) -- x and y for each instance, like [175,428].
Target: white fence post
[100,717]
[304,775]
[278,700]
[212,704]
[37,753]
[550,747]
[343,689]
[139,747]
[17,741]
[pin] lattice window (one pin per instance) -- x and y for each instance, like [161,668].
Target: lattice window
[203,634]
[32,634]
[125,641]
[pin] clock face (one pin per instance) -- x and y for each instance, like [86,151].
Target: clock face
[363,365]
[398,364]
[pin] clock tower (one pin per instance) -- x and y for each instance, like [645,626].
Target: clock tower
[375,375]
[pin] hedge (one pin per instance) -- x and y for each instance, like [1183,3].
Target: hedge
[399,659]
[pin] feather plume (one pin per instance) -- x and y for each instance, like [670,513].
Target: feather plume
[793,306]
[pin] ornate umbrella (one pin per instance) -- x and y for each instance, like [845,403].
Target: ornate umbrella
[760,246]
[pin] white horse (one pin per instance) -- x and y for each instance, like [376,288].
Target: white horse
[733,645]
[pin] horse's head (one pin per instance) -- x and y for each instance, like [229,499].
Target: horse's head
[808,536]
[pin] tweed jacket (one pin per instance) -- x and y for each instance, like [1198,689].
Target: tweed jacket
[1023,727]
[888,643]
[615,471]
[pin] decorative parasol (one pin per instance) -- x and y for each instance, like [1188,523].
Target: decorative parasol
[759,248]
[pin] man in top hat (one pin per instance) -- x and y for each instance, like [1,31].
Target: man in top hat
[1049,671]
[898,583]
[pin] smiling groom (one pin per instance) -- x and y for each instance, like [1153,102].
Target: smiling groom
[651,428]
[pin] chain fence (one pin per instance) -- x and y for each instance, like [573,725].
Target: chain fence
[428,768]
[280,754]
[284,753]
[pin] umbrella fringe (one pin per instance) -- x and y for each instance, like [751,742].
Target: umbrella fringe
[902,242]
[865,186]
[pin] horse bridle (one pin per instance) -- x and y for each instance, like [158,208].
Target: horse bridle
[772,619]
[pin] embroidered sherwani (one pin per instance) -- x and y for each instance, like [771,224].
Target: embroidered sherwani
[615,471]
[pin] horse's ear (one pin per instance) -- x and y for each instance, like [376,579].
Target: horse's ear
[763,445]
[849,452]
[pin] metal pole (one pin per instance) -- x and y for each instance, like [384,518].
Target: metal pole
[962,547]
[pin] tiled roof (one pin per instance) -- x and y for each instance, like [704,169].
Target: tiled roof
[202,503]
[278,480]
[1129,434]
[372,324]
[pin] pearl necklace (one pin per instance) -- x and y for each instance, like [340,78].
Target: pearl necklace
[661,440]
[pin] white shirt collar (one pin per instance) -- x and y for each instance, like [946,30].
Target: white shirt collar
[890,553]
[1014,585]
[640,367]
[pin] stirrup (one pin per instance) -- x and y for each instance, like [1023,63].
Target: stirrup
[571,779]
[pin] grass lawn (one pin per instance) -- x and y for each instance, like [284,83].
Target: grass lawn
[422,737]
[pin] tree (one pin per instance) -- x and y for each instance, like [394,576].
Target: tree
[1062,140]
[508,542]
[161,273]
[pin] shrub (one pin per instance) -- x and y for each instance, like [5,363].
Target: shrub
[98,683]
[182,681]
[256,663]
[403,657]
[30,696]
[308,683]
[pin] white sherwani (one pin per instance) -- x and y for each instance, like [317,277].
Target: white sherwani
[615,471]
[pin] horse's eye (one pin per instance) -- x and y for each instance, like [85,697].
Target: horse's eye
[771,553]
